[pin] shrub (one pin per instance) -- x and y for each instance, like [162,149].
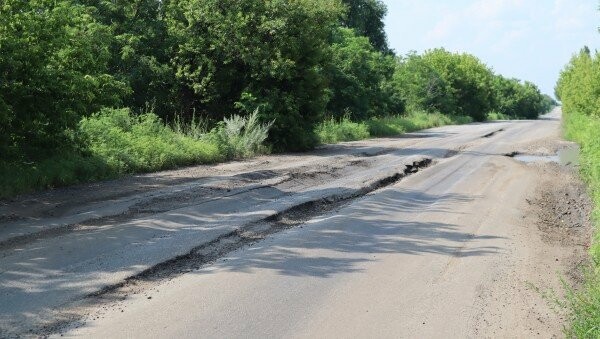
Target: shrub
[143,143]
[240,137]
[579,90]
[360,79]
[233,55]
[53,70]
[332,131]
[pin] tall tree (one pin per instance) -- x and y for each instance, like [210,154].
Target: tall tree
[360,78]
[256,54]
[140,51]
[53,70]
[366,18]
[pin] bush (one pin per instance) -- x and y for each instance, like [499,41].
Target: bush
[53,71]
[451,83]
[236,55]
[332,131]
[142,143]
[494,116]
[360,79]
[239,137]
[414,121]
[63,168]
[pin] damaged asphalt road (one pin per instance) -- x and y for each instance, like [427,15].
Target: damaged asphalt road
[388,237]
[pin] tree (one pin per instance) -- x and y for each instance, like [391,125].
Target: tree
[422,87]
[256,54]
[140,52]
[469,81]
[366,18]
[360,78]
[53,70]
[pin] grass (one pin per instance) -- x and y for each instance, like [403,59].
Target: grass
[494,116]
[117,143]
[332,131]
[585,304]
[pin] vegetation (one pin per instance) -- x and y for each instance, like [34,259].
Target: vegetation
[332,131]
[92,89]
[579,90]
[115,142]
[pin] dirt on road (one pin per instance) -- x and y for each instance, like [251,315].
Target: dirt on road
[296,244]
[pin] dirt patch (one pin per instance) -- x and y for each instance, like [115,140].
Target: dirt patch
[562,206]
[550,248]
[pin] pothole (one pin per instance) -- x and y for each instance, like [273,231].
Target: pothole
[253,232]
[564,157]
[489,135]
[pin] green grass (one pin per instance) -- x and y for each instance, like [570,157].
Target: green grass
[117,143]
[494,116]
[585,304]
[332,131]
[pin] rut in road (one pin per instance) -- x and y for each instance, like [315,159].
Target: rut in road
[252,233]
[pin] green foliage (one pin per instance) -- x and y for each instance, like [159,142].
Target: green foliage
[140,52]
[366,18]
[360,78]
[422,87]
[53,71]
[414,121]
[579,90]
[256,54]
[143,143]
[520,100]
[251,72]
[119,142]
[585,318]
[66,168]
[494,116]
[332,131]
[468,80]
[240,137]
[460,84]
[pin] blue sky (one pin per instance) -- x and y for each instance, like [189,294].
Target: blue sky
[527,39]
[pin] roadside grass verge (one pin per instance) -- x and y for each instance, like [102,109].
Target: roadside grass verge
[494,116]
[585,304]
[332,131]
[118,142]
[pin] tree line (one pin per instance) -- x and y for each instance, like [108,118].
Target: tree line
[293,62]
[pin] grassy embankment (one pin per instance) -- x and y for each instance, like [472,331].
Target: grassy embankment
[585,304]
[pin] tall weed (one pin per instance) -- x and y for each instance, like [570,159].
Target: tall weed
[239,137]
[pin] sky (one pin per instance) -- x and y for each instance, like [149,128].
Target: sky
[526,39]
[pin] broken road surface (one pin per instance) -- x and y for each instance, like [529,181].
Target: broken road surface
[427,235]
